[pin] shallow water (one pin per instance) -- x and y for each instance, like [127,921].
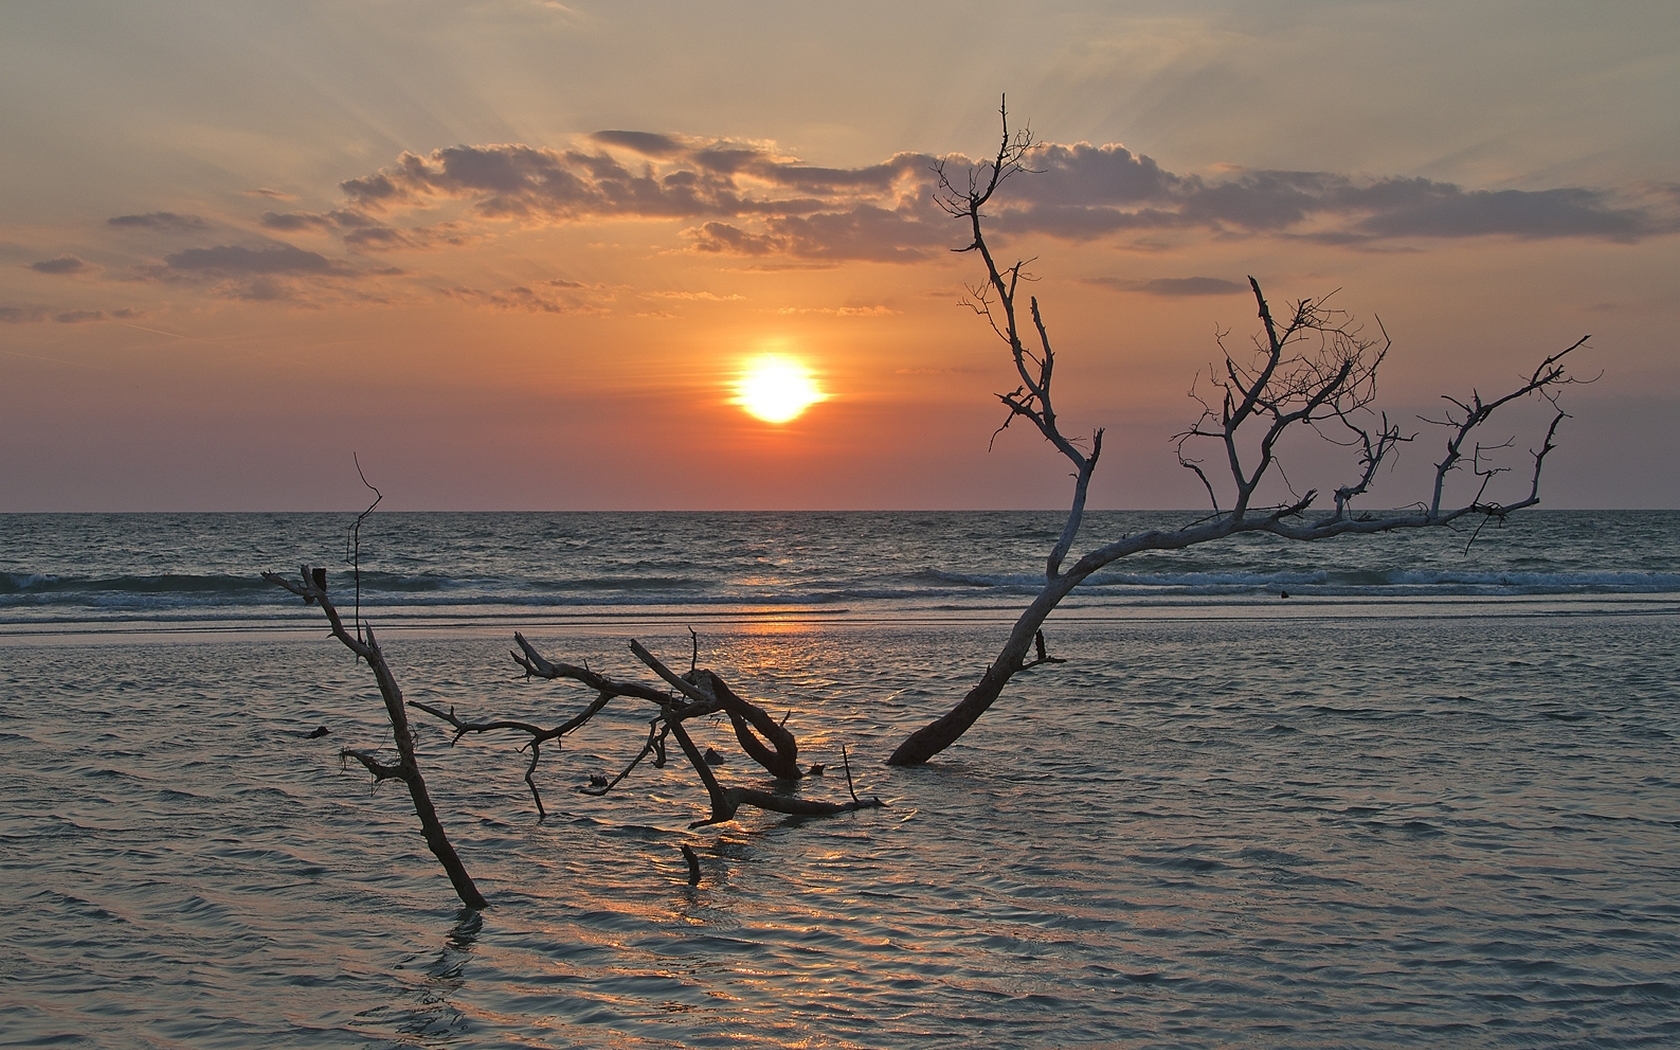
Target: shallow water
[1256,831]
[1378,818]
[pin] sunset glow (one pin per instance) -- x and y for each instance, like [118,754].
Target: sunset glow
[776,389]
[515,238]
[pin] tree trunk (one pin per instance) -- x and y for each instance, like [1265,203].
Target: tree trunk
[312,588]
[941,733]
[409,765]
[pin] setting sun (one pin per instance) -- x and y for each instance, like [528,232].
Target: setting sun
[776,388]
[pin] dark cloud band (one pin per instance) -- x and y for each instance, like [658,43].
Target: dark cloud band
[746,199]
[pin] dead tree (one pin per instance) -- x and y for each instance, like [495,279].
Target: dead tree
[1312,369]
[697,693]
[311,586]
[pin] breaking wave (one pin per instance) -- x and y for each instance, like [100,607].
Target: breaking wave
[85,567]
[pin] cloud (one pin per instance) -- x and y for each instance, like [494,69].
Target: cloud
[291,222]
[1188,286]
[271,272]
[570,297]
[376,238]
[958,370]
[1171,287]
[723,238]
[62,264]
[864,232]
[362,233]
[340,219]
[644,142]
[264,191]
[528,183]
[841,311]
[38,314]
[1092,176]
[162,221]
[1084,192]
[749,199]
[1451,212]
[231,260]
[380,238]
[707,297]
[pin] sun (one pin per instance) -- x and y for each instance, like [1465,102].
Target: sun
[776,388]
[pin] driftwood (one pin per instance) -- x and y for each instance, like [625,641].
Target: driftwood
[311,586]
[697,693]
[1313,369]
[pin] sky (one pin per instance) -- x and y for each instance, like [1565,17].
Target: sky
[515,254]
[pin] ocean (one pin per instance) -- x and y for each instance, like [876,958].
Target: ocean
[1432,797]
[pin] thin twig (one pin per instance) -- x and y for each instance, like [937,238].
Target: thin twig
[355,541]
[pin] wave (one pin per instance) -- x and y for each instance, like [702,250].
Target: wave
[1397,581]
[18,583]
[166,592]
[971,581]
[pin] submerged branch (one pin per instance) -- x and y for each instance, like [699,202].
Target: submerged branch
[698,692]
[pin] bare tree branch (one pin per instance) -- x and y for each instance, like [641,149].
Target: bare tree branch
[1311,369]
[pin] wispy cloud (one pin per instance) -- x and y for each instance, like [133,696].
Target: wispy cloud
[1170,287]
[39,314]
[558,296]
[270,272]
[841,311]
[364,233]
[159,221]
[62,265]
[293,222]
[231,260]
[707,297]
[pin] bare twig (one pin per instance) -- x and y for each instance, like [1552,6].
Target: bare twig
[354,541]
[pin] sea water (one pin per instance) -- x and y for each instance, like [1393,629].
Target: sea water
[1430,798]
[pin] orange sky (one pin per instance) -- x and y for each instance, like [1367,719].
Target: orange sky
[240,244]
